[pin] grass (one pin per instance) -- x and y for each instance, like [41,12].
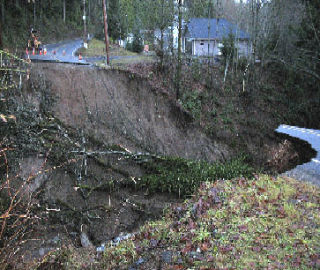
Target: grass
[132,60]
[263,223]
[98,48]
[266,223]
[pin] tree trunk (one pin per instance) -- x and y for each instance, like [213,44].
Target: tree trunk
[2,11]
[253,58]
[209,29]
[162,36]
[105,17]
[1,23]
[161,48]
[34,14]
[84,23]
[89,11]
[64,11]
[1,46]
[178,77]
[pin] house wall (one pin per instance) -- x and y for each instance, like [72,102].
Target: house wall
[243,48]
[200,48]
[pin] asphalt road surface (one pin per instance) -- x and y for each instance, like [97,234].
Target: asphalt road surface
[308,171]
[64,52]
[60,52]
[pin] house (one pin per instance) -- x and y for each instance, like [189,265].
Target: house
[199,41]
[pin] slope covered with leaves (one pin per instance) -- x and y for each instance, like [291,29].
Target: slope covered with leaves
[264,223]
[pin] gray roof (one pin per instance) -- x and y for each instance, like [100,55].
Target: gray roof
[197,28]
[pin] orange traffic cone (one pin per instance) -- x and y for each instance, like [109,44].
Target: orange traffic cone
[33,51]
[40,52]
[45,51]
[27,51]
[80,57]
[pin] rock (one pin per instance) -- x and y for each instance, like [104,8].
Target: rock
[121,237]
[196,256]
[137,263]
[140,261]
[56,240]
[41,252]
[84,239]
[101,248]
[167,256]
[154,243]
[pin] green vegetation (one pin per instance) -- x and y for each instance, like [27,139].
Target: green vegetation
[137,43]
[183,177]
[191,102]
[262,223]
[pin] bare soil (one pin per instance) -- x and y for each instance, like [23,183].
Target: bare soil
[119,107]
[112,108]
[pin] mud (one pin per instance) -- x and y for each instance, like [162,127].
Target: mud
[119,107]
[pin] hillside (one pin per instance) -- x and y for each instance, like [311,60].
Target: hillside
[92,153]
[264,223]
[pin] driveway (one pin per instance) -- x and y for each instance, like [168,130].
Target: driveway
[308,171]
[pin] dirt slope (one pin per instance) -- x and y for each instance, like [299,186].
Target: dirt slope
[112,107]
[120,108]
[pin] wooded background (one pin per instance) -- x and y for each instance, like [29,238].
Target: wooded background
[282,31]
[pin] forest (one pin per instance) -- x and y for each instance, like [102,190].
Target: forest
[286,32]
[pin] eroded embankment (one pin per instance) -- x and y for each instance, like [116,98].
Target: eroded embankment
[120,108]
[77,128]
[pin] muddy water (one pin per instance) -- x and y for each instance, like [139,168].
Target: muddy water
[309,171]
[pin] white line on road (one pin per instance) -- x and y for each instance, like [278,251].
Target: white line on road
[316,160]
[311,132]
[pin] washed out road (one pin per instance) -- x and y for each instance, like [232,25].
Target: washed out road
[308,171]
[60,52]
[64,52]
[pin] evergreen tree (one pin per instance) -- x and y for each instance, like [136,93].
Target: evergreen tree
[116,29]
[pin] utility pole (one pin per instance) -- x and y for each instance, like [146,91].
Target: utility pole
[85,44]
[106,29]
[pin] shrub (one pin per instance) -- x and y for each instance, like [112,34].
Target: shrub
[136,45]
[191,101]
[183,177]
